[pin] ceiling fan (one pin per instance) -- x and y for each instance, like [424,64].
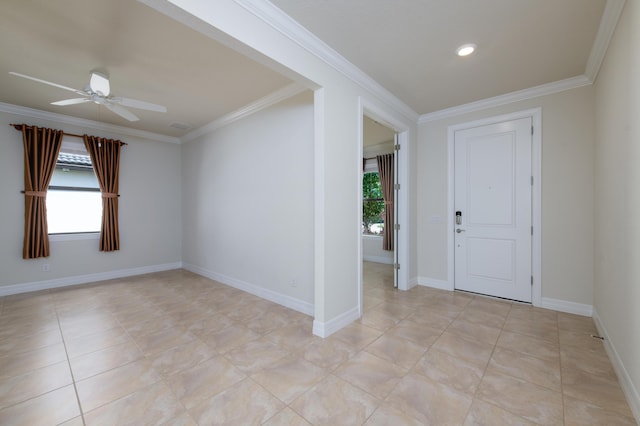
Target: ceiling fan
[99,91]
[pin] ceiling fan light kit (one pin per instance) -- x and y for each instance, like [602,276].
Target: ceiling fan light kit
[98,91]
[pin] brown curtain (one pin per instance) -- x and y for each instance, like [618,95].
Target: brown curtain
[41,148]
[105,157]
[385,171]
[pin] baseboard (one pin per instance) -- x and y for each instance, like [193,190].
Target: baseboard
[434,283]
[629,389]
[378,259]
[566,306]
[281,299]
[84,279]
[325,329]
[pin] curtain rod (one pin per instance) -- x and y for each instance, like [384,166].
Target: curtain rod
[18,127]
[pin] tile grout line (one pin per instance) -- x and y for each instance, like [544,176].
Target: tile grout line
[73,379]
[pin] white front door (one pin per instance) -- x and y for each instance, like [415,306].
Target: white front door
[492,232]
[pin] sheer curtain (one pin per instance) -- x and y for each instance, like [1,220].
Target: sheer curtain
[385,171]
[105,157]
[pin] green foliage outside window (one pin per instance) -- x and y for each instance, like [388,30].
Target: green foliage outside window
[372,204]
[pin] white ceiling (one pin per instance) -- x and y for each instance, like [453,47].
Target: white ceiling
[408,46]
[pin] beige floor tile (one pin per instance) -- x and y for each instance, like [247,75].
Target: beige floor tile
[602,391]
[539,329]
[97,341]
[83,325]
[531,313]
[456,373]
[428,401]
[267,322]
[76,421]
[153,404]
[395,309]
[229,338]
[294,336]
[287,417]
[473,351]
[115,384]
[34,383]
[52,408]
[163,340]
[531,369]
[21,327]
[479,316]
[334,401]
[378,319]
[402,352]
[181,357]
[371,374]
[420,334]
[256,355]
[581,413]
[209,325]
[203,381]
[430,318]
[183,419]
[357,336]
[533,402]
[386,415]
[576,323]
[580,340]
[20,344]
[103,360]
[591,361]
[328,353]
[244,403]
[12,365]
[483,413]
[474,330]
[289,377]
[528,345]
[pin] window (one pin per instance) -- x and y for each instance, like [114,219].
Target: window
[372,204]
[74,201]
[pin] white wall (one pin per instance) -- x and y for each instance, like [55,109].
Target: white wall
[249,203]
[372,250]
[568,149]
[617,259]
[149,214]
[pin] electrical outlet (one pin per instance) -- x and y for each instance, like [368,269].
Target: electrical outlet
[46,267]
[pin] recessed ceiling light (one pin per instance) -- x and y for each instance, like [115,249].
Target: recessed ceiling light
[466,49]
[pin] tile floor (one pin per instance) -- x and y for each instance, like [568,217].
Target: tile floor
[175,348]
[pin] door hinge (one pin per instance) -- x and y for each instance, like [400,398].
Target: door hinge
[396,227]
[396,186]
[397,147]
[396,266]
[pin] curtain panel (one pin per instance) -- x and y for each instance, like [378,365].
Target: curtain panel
[386,173]
[41,148]
[105,157]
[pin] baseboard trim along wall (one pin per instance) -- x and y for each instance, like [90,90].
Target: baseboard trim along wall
[546,302]
[272,296]
[8,290]
[325,329]
[630,391]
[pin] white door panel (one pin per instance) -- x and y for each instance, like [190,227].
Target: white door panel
[493,195]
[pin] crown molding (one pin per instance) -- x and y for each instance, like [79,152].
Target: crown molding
[262,103]
[608,23]
[84,123]
[520,95]
[291,29]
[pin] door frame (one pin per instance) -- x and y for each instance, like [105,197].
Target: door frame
[401,250]
[536,194]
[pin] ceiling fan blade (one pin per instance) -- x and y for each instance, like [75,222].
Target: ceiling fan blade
[71,101]
[134,103]
[122,112]
[59,86]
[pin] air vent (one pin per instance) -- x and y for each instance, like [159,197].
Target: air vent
[180,125]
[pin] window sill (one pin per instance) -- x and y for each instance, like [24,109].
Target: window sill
[371,236]
[74,237]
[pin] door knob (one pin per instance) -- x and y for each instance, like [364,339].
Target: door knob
[459,230]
